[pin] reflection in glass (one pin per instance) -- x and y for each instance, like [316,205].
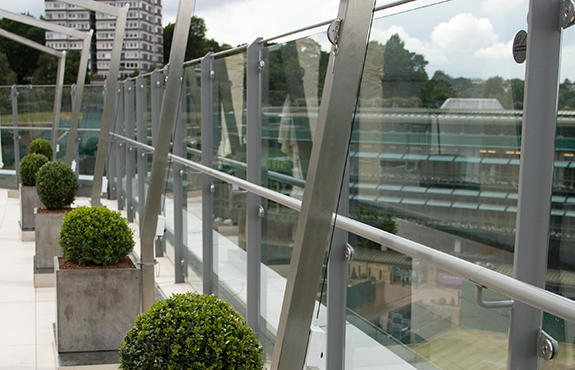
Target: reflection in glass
[435,159]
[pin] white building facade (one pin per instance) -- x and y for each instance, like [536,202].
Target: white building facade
[143,42]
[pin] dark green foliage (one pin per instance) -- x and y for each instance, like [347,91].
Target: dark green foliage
[437,90]
[190,331]
[7,75]
[373,218]
[46,72]
[41,146]
[403,71]
[29,166]
[56,185]
[198,45]
[95,236]
[22,58]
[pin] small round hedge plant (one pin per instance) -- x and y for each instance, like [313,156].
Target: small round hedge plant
[41,146]
[56,185]
[29,166]
[191,331]
[95,236]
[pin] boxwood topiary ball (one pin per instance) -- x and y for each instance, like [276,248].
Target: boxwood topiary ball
[56,185]
[191,331]
[41,146]
[95,236]
[29,166]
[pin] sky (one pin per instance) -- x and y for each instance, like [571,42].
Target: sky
[464,38]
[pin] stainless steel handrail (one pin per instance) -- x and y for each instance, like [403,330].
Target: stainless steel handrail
[540,298]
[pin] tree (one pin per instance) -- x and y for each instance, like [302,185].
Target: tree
[23,59]
[7,75]
[566,95]
[497,88]
[517,89]
[437,90]
[47,69]
[197,46]
[403,71]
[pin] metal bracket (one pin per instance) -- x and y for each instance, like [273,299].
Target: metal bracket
[349,251]
[261,212]
[567,13]
[333,31]
[496,304]
[547,347]
[237,190]
[212,188]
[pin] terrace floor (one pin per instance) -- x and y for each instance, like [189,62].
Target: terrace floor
[27,313]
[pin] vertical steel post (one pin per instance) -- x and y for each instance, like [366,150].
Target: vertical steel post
[322,184]
[178,150]
[142,138]
[130,161]
[111,160]
[207,76]
[120,150]
[71,151]
[109,103]
[160,158]
[58,103]
[254,175]
[337,288]
[157,85]
[535,175]
[16,135]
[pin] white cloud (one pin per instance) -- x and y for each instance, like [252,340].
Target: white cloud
[239,22]
[465,45]
[498,50]
[464,33]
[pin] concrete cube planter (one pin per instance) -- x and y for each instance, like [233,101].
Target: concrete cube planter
[47,231]
[95,307]
[28,201]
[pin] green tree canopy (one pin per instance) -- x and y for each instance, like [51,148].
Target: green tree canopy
[47,69]
[198,45]
[437,90]
[7,75]
[23,59]
[403,71]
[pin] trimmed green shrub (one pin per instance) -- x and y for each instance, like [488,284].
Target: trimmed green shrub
[95,236]
[29,166]
[41,146]
[56,185]
[191,331]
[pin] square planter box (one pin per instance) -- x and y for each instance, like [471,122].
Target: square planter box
[95,307]
[47,231]
[28,201]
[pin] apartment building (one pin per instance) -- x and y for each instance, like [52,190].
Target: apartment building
[143,42]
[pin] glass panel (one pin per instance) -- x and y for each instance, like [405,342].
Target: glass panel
[193,180]
[35,111]
[168,210]
[88,132]
[435,159]
[401,310]
[7,180]
[229,201]
[560,262]
[292,85]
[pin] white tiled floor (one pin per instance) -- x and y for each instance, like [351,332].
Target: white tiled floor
[27,313]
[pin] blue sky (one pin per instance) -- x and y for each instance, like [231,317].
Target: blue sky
[467,38]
